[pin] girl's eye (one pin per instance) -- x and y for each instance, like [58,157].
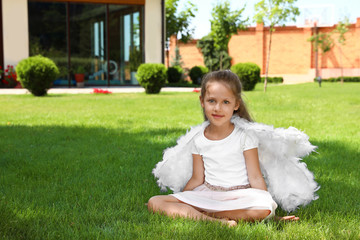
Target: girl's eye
[211,101]
[226,102]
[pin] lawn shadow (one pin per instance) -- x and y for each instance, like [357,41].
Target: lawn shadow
[66,171]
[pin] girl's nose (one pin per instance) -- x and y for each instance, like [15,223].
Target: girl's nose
[217,106]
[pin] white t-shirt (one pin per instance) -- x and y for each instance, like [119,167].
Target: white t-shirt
[224,160]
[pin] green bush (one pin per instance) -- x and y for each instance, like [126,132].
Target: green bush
[350,79]
[249,74]
[338,79]
[273,79]
[174,74]
[37,74]
[182,84]
[151,76]
[196,73]
[205,70]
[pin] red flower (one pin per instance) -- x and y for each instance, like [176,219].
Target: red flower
[196,90]
[98,90]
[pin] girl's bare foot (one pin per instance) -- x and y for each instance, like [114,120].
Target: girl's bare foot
[286,218]
[230,223]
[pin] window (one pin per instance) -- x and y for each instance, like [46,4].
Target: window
[103,41]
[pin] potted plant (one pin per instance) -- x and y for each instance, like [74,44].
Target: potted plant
[80,76]
[10,78]
[1,75]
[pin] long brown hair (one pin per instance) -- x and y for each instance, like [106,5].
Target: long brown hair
[233,82]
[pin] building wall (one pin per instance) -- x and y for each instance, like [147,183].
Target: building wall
[193,54]
[351,50]
[153,32]
[15,31]
[16,37]
[291,55]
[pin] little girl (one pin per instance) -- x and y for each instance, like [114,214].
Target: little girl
[226,182]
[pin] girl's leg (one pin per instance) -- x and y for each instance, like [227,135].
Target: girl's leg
[172,207]
[249,215]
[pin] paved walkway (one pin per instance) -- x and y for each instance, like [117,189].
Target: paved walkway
[88,90]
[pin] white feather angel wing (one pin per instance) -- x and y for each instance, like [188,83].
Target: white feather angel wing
[175,170]
[280,150]
[288,180]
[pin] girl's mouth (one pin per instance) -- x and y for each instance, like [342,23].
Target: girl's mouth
[217,116]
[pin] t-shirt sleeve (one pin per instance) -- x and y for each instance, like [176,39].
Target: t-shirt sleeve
[194,149]
[250,141]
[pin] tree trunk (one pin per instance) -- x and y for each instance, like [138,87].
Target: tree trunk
[221,57]
[316,53]
[268,60]
[167,58]
[341,67]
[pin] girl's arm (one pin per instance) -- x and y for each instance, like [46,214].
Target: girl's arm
[255,176]
[198,175]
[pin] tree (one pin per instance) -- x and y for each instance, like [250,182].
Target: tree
[211,55]
[271,13]
[179,22]
[341,28]
[224,24]
[322,41]
[177,60]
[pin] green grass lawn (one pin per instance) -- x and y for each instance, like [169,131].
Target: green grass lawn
[79,166]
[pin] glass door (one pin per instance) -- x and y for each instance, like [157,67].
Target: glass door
[88,43]
[76,37]
[48,35]
[1,43]
[124,40]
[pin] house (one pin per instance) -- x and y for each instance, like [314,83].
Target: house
[105,40]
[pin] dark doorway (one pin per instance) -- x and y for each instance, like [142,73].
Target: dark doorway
[1,40]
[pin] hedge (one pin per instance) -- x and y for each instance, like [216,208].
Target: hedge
[338,79]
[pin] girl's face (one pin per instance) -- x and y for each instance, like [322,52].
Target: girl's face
[219,103]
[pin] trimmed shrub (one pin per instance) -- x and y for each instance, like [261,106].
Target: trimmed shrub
[273,79]
[205,70]
[350,79]
[174,74]
[249,74]
[196,73]
[151,76]
[37,74]
[338,79]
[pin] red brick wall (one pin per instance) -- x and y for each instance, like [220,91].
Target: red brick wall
[291,52]
[350,57]
[190,54]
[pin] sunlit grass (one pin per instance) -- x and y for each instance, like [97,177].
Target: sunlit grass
[79,166]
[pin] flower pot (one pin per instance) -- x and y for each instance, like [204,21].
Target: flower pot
[18,85]
[79,78]
[80,84]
